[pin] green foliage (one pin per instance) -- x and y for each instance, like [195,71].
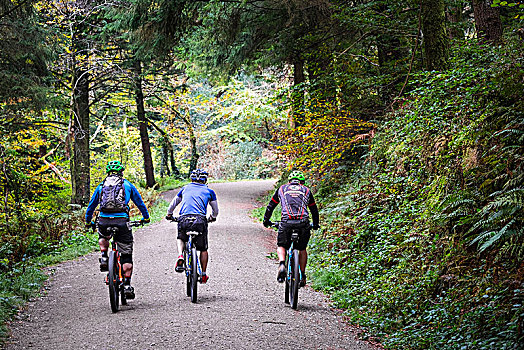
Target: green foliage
[518,13]
[329,139]
[24,279]
[23,55]
[422,245]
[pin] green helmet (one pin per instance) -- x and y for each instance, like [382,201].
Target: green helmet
[295,174]
[114,165]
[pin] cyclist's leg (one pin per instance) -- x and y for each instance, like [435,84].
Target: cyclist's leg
[302,260]
[124,238]
[201,244]
[180,246]
[126,258]
[103,242]
[204,258]
[182,236]
[182,239]
[283,243]
[302,243]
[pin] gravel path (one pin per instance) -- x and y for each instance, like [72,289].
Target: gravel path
[241,306]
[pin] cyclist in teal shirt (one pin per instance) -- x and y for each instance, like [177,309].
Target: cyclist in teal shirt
[194,199]
[113,195]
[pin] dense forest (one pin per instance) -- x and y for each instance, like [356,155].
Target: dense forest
[407,117]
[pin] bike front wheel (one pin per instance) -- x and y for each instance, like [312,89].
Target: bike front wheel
[294,281]
[114,281]
[194,275]
[286,291]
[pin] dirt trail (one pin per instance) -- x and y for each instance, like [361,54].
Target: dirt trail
[241,307]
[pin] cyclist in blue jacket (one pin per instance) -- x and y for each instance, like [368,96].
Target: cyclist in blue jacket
[194,199]
[113,195]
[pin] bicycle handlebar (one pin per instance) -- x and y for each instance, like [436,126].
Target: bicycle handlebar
[277,223]
[136,223]
[176,218]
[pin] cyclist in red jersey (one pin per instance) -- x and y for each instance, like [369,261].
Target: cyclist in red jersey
[295,199]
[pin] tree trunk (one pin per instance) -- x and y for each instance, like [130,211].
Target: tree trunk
[164,165]
[436,41]
[194,154]
[79,130]
[454,16]
[487,21]
[389,52]
[297,94]
[142,122]
[175,171]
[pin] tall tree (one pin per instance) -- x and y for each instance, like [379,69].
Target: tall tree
[436,41]
[79,125]
[142,123]
[487,21]
[23,55]
[455,19]
[297,94]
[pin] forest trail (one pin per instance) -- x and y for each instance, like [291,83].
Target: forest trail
[241,307]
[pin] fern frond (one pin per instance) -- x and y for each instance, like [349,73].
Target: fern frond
[481,237]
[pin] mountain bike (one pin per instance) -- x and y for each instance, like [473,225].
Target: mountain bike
[192,268]
[294,273]
[115,276]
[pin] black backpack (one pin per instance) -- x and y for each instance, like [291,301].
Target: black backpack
[113,195]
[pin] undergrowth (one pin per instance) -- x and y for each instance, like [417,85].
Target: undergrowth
[22,278]
[422,243]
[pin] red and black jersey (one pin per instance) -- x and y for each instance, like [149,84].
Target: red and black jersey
[295,199]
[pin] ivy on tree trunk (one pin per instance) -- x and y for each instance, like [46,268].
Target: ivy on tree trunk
[436,41]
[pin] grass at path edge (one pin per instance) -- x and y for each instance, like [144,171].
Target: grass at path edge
[25,280]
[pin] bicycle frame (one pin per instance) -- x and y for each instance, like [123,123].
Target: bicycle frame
[189,247]
[193,267]
[294,272]
[294,238]
[118,264]
[116,284]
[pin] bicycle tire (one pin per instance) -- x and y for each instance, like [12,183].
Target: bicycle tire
[187,259]
[114,282]
[286,290]
[194,275]
[295,280]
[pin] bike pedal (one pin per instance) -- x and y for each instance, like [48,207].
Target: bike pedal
[106,279]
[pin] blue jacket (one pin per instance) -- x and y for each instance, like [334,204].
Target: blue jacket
[194,198]
[131,194]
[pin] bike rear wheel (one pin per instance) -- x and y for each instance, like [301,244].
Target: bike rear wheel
[123,299]
[114,281]
[294,281]
[194,275]
[189,262]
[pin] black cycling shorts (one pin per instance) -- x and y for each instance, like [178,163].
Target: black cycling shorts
[196,223]
[124,235]
[284,233]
